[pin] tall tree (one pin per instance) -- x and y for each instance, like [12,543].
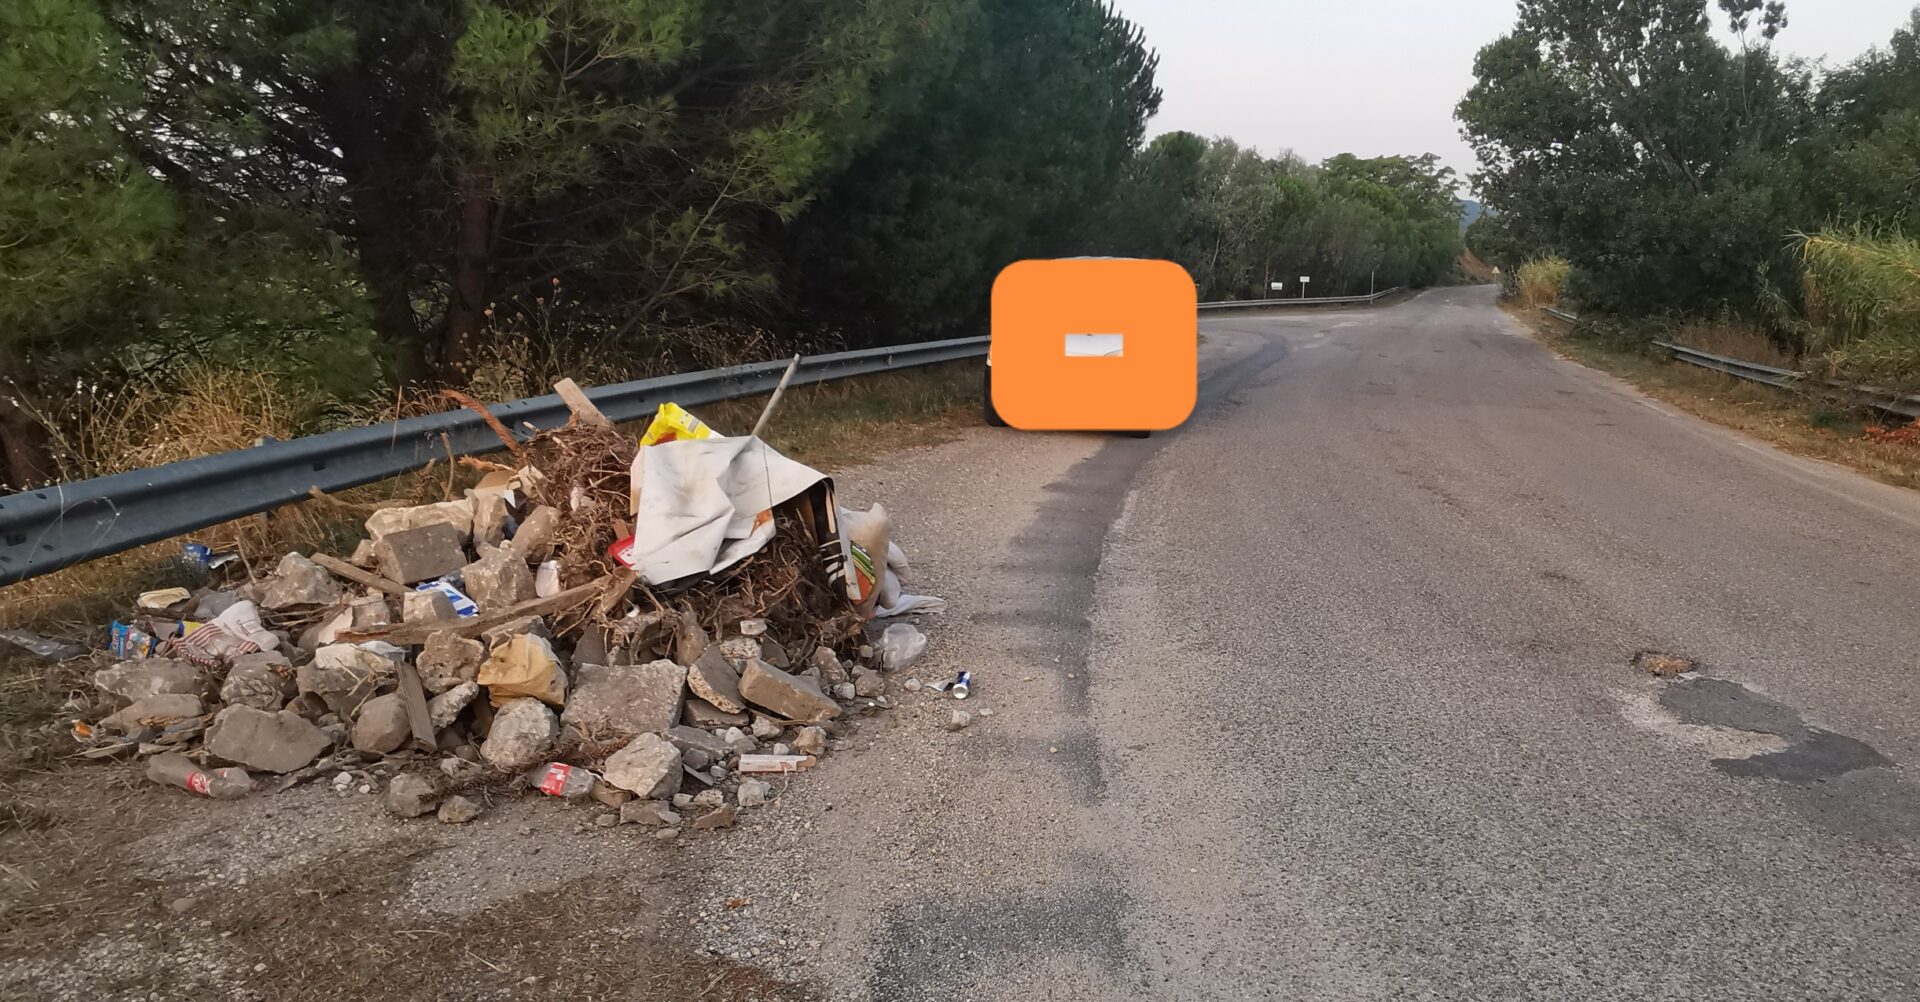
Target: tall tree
[1000,143]
[1664,166]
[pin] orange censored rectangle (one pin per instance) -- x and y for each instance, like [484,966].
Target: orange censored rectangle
[1095,344]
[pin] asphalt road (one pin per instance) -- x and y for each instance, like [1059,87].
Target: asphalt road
[1328,696]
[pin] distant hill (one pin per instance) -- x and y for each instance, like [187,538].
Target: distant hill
[1470,210]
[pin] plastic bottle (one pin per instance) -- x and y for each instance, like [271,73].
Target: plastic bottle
[174,769]
[558,779]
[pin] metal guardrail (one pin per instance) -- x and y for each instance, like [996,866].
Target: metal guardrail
[60,525]
[1321,301]
[63,524]
[1786,379]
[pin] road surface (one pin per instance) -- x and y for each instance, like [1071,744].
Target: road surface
[1328,696]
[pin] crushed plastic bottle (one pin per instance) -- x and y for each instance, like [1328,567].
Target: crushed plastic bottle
[901,645]
[558,779]
[174,769]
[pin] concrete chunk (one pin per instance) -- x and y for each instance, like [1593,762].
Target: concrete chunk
[263,680]
[617,702]
[700,713]
[412,794]
[449,659]
[154,711]
[649,766]
[299,581]
[344,676]
[458,514]
[714,680]
[136,680]
[427,607]
[765,686]
[523,732]
[444,709]
[498,581]
[257,739]
[534,540]
[689,739]
[381,725]
[412,555]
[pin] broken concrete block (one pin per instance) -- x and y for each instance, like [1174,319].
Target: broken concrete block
[649,766]
[765,727]
[489,517]
[523,732]
[345,675]
[533,541]
[458,810]
[868,683]
[413,555]
[262,680]
[381,725]
[845,691]
[610,795]
[449,659]
[499,580]
[755,627]
[652,813]
[770,688]
[694,739]
[524,666]
[458,514]
[827,663]
[160,711]
[363,555]
[370,612]
[610,703]
[959,720]
[689,639]
[753,792]
[427,607]
[719,817]
[810,741]
[714,680]
[257,739]
[775,763]
[131,681]
[412,794]
[299,581]
[739,650]
[701,713]
[444,709]
[740,741]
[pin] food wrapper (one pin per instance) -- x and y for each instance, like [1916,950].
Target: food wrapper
[672,424]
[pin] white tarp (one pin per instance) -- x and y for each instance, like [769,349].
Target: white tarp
[704,503]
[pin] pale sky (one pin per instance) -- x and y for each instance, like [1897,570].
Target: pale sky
[1375,77]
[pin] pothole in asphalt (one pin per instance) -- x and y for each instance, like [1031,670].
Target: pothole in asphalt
[1660,664]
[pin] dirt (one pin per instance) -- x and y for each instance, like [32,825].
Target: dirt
[121,889]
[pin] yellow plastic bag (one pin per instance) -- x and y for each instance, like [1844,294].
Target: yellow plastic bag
[672,424]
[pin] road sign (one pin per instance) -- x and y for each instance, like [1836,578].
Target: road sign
[1277,286]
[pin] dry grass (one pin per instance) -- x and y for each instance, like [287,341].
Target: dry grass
[1804,424]
[1734,340]
[1541,280]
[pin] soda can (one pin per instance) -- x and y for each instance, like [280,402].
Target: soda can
[197,554]
[962,685]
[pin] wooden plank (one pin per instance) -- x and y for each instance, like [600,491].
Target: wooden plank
[403,634]
[577,402]
[346,570]
[414,696]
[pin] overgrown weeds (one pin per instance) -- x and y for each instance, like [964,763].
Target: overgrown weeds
[1541,281]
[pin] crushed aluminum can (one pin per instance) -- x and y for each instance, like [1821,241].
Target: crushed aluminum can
[960,688]
[197,554]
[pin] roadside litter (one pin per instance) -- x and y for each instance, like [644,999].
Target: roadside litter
[627,621]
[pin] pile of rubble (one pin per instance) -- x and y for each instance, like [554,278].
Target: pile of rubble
[651,624]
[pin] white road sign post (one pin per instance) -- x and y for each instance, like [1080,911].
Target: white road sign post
[1304,279]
